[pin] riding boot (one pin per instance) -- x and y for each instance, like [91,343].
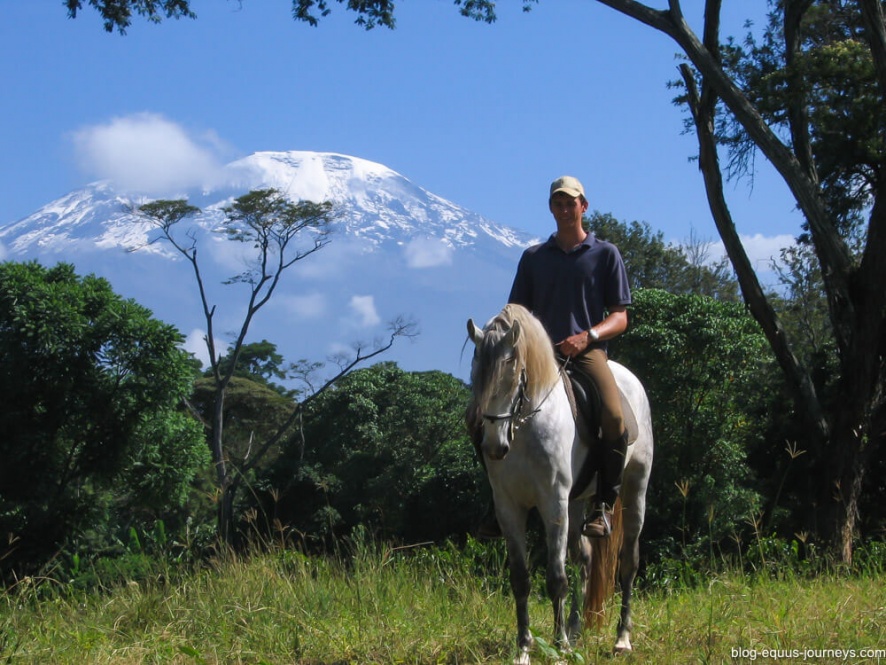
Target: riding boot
[611,472]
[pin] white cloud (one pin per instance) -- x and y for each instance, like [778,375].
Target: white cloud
[311,306]
[428,253]
[331,262]
[146,153]
[761,250]
[765,249]
[364,308]
[195,343]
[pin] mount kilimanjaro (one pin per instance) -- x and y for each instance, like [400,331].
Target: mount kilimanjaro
[396,250]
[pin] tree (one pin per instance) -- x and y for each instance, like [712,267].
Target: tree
[91,387]
[259,362]
[701,361]
[117,14]
[654,265]
[385,449]
[254,411]
[281,233]
[841,432]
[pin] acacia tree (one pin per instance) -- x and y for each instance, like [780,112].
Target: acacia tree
[281,233]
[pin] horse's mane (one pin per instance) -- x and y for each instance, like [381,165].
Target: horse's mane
[533,350]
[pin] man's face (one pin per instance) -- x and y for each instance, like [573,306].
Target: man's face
[567,209]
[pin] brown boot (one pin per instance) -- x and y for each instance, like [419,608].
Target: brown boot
[599,523]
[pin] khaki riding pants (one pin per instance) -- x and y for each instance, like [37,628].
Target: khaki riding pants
[594,364]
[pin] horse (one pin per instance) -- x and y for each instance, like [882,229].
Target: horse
[533,447]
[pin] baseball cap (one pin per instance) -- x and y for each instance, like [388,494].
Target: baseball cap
[568,185]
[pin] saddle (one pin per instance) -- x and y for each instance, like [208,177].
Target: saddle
[586,405]
[585,400]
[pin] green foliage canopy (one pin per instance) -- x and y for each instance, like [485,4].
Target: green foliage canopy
[117,14]
[831,74]
[701,361]
[90,386]
[654,265]
[385,449]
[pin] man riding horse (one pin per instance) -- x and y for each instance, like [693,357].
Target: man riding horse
[577,286]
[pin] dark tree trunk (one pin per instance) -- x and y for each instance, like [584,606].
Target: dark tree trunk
[841,430]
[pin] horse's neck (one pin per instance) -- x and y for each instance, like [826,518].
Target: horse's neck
[552,424]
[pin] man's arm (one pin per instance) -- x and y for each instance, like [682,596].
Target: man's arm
[615,323]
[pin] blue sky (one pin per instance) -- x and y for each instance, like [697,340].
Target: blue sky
[483,115]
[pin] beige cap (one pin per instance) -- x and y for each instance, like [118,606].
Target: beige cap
[568,185]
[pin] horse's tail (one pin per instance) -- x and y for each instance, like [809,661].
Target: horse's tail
[601,576]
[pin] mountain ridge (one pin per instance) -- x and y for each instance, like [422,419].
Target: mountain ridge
[397,249]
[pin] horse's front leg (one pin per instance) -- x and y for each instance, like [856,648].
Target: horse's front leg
[513,524]
[519,574]
[556,582]
[579,550]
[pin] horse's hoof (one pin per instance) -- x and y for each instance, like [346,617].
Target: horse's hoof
[622,646]
[523,657]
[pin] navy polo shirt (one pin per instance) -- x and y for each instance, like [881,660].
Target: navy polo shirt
[570,291]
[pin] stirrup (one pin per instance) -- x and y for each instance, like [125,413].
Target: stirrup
[598,525]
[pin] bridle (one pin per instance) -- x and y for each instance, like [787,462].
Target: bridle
[513,416]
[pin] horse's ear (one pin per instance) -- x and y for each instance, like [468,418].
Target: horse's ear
[513,334]
[474,332]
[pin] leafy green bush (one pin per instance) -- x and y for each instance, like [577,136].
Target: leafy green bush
[91,386]
[701,361]
[383,449]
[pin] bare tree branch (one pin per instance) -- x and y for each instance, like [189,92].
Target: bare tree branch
[399,327]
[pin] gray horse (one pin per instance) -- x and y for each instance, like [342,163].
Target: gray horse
[533,448]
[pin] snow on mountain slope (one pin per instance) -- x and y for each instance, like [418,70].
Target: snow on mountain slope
[397,249]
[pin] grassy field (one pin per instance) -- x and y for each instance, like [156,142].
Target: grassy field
[424,605]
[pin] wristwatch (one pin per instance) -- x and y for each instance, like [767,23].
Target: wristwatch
[593,335]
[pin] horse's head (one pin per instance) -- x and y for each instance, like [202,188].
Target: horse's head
[497,381]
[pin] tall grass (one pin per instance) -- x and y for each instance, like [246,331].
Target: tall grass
[375,604]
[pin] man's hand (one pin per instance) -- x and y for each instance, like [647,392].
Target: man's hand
[574,345]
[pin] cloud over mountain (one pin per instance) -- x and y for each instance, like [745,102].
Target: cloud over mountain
[428,253]
[396,250]
[146,153]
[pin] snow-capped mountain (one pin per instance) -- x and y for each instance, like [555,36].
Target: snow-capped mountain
[396,250]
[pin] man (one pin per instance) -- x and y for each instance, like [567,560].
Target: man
[578,288]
